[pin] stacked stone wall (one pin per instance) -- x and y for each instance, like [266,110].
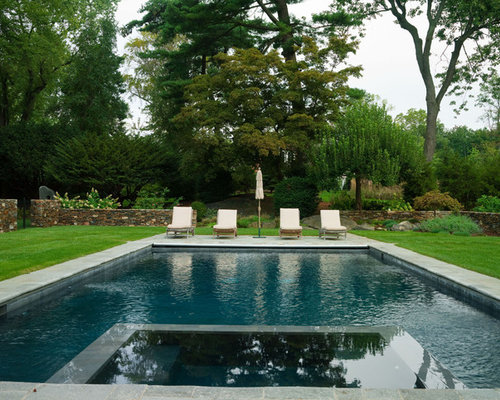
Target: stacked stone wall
[489,222]
[45,213]
[8,215]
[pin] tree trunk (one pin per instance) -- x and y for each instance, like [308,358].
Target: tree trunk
[431,129]
[286,36]
[359,204]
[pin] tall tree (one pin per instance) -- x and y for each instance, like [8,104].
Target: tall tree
[468,29]
[247,103]
[209,27]
[365,143]
[90,99]
[35,45]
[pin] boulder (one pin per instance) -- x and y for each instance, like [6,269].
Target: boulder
[312,222]
[363,227]
[348,222]
[404,226]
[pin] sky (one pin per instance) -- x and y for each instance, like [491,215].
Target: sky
[386,53]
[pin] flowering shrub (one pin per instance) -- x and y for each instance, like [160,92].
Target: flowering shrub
[93,200]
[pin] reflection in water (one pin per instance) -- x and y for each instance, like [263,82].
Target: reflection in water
[257,359]
[181,270]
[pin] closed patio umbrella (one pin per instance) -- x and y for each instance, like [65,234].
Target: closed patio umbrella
[259,191]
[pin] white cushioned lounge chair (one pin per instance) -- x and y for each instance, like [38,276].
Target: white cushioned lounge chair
[226,223]
[182,221]
[330,224]
[290,222]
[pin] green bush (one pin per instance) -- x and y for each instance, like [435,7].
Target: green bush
[201,209]
[488,204]
[153,196]
[93,200]
[342,200]
[435,200]
[296,192]
[457,224]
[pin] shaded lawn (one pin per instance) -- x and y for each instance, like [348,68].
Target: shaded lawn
[32,249]
[477,253]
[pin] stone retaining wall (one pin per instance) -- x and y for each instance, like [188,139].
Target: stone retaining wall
[489,222]
[8,215]
[45,213]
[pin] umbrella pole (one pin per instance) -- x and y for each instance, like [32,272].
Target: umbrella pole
[259,217]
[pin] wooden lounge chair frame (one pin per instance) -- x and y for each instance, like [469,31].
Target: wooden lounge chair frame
[290,231]
[183,229]
[229,231]
[337,232]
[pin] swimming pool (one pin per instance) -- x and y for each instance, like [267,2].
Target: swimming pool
[314,287]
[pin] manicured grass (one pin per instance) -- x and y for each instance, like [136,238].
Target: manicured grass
[32,249]
[28,250]
[477,253]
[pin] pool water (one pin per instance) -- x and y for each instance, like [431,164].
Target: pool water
[258,288]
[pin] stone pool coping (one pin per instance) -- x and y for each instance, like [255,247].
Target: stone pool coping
[21,290]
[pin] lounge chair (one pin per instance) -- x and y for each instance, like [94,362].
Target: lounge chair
[290,222]
[330,224]
[226,223]
[182,221]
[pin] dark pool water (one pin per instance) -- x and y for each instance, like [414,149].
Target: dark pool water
[269,288]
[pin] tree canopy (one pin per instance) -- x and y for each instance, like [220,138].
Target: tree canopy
[366,144]
[469,31]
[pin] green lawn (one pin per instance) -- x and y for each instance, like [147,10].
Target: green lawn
[28,250]
[32,249]
[477,253]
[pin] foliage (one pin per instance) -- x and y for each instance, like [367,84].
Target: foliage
[488,204]
[467,178]
[463,141]
[455,24]
[247,106]
[366,144]
[296,192]
[108,163]
[435,200]
[201,209]
[37,43]
[418,181]
[92,85]
[24,148]
[153,196]
[342,200]
[489,98]
[387,205]
[93,200]
[458,224]
[485,258]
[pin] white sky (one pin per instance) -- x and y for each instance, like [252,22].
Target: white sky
[386,53]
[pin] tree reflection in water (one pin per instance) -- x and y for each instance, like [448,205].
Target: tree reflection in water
[240,359]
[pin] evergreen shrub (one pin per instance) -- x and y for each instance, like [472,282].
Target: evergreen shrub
[488,204]
[296,192]
[201,209]
[456,224]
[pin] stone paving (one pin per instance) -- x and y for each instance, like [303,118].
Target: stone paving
[18,291]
